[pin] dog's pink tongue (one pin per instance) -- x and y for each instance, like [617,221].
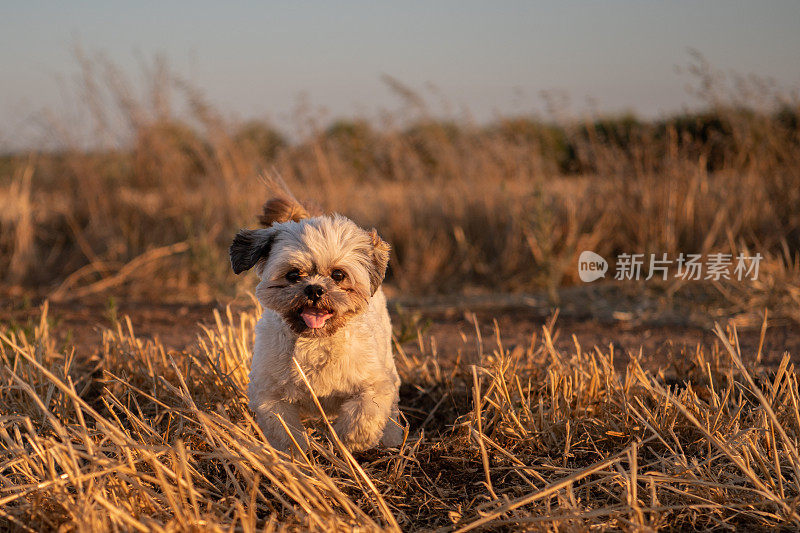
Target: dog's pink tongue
[315,318]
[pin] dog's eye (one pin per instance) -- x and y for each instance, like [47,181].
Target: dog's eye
[293,276]
[338,275]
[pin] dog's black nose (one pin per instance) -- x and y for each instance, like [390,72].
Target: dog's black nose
[314,292]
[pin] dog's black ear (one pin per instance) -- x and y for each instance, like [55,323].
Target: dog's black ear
[249,247]
[380,260]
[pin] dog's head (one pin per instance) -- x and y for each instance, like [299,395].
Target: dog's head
[316,272]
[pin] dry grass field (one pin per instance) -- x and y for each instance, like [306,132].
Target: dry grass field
[125,339]
[501,436]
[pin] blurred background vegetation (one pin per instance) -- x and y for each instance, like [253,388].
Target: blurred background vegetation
[149,210]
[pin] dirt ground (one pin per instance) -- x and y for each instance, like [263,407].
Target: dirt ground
[446,325]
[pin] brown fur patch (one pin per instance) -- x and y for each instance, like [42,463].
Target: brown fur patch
[380,260]
[281,209]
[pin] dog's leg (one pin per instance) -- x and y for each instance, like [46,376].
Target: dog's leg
[267,416]
[362,418]
[393,431]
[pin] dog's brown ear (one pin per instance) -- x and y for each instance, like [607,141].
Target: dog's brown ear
[281,209]
[249,247]
[380,260]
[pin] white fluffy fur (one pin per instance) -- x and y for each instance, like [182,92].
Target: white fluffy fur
[351,371]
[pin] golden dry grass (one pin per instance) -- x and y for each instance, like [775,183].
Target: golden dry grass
[140,438]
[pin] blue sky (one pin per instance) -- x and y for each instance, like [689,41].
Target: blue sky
[254,59]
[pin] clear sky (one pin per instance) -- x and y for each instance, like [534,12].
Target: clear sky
[254,59]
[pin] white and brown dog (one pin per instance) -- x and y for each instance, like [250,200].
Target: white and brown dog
[324,308]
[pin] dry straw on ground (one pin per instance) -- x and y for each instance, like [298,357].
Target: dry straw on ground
[502,436]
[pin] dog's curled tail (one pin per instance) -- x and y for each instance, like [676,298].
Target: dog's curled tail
[282,209]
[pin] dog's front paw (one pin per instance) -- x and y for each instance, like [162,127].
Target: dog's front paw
[392,434]
[274,418]
[360,424]
[282,442]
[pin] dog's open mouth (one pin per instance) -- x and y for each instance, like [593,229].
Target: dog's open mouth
[315,317]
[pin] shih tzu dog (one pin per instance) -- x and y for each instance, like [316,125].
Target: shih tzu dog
[323,307]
